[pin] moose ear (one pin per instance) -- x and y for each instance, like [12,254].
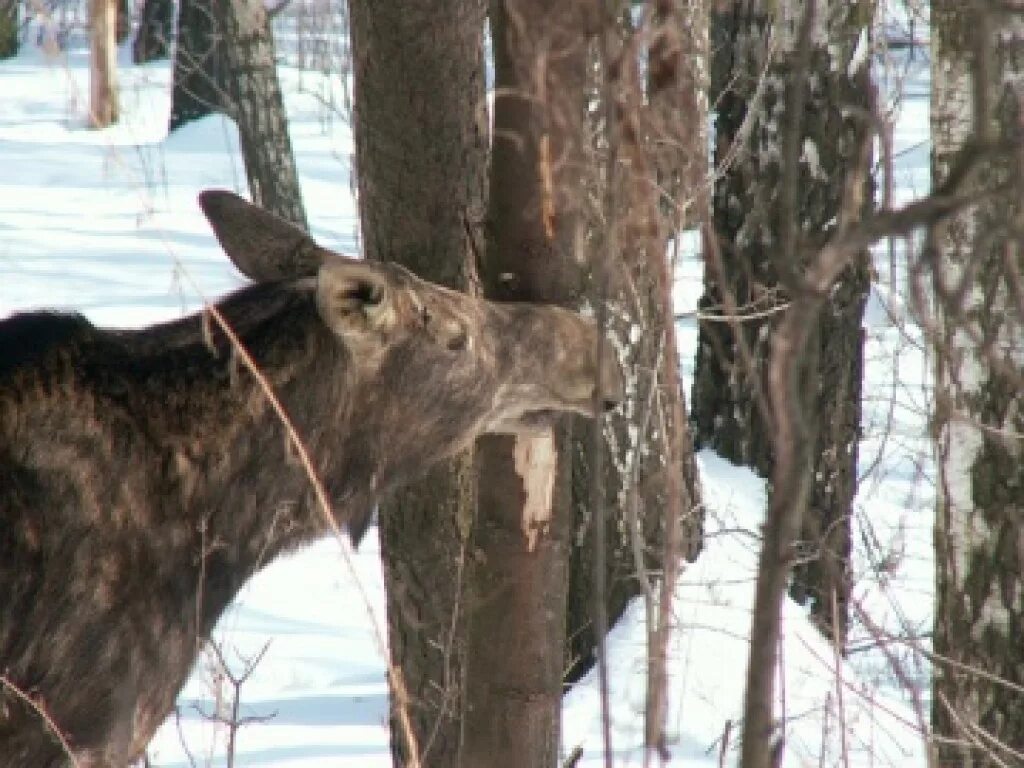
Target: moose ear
[263,246]
[355,298]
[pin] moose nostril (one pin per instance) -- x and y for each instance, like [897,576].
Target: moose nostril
[612,383]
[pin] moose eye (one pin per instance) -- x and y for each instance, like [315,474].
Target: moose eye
[425,316]
[361,294]
[368,294]
[458,342]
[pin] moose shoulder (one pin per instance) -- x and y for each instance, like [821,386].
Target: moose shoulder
[144,475]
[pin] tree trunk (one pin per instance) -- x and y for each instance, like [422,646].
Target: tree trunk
[124,20]
[650,481]
[103,106]
[257,107]
[198,88]
[977,62]
[764,213]
[153,40]
[8,28]
[517,625]
[421,154]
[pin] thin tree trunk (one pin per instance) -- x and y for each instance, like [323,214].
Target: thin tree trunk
[764,213]
[517,626]
[103,105]
[977,63]
[257,107]
[198,88]
[677,143]
[124,20]
[153,40]
[662,140]
[421,155]
[652,144]
[8,28]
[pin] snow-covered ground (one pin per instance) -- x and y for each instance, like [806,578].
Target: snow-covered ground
[105,222]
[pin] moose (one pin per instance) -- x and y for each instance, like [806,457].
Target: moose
[145,475]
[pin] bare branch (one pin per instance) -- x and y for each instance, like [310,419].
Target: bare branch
[40,709]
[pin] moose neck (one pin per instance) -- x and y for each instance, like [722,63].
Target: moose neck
[233,474]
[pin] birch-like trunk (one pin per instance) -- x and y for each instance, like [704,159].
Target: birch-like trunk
[790,122]
[977,78]
[649,142]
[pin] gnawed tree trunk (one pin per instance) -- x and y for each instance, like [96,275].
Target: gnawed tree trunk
[978,262]
[257,107]
[103,106]
[8,28]
[153,39]
[763,213]
[198,72]
[421,156]
[517,625]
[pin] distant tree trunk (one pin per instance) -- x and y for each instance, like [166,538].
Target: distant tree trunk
[257,107]
[421,159]
[764,214]
[199,82]
[103,106]
[517,625]
[8,28]
[124,20]
[977,64]
[153,40]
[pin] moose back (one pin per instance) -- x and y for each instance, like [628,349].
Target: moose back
[144,475]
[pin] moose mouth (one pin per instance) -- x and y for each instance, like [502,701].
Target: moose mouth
[547,417]
[527,423]
[538,419]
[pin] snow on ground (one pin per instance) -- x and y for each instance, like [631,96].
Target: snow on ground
[105,222]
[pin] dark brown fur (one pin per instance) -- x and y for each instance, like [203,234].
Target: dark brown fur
[144,477]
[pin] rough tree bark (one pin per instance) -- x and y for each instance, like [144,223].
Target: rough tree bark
[153,39]
[257,107]
[807,260]
[517,625]
[762,213]
[421,157]
[103,105]
[636,476]
[977,65]
[8,28]
[656,134]
[198,70]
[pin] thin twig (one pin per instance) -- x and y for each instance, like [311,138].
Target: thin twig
[40,710]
